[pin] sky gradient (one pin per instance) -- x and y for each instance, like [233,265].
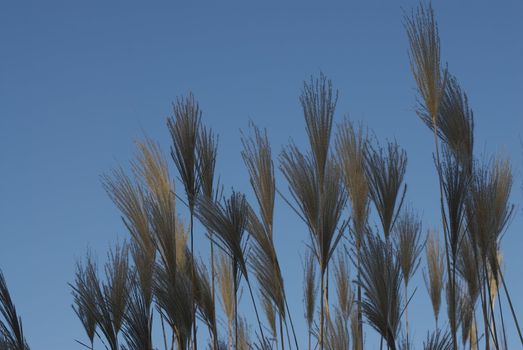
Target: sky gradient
[79,82]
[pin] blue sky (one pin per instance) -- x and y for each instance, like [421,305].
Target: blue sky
[80,81]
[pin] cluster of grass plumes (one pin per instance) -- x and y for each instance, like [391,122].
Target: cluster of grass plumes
[348,191]
[473,196]
[336,188]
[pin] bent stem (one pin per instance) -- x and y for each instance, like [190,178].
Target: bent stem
[256,312]
[510,304]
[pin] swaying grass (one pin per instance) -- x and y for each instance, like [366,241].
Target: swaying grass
[116,288]
[409,246]
[257,156]
[174,302]
[425,60]
[434,277]
[455,181]
[184,128]
[130,198]
[351,148]
[502,209]
[204,299]
[106,299]
[338,335]
[11,330]
[207,149]
[244,341]
[466,319]
[408,243]
[137,327]
[318,101]
[315,180]
[265,265]
[226,285]
[151,168]
[229,222]
[270,314]
[488,212]
[469,271]
[84,297]
[468,268]
[385,169]
[345,295]
[310,292]
[454,297]
[117,305]
[438,340]
[455,123]
[381,283]
[321,208]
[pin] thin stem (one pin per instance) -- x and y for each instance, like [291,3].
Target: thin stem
[510,304]
[235,308]
[288,334]
[327,311]
[290,319]
[475,333]
[281,334]
[485,317]
[256,311]
[501,313]
[212,269]
[230,334]
[406,313]
[215,343]
[444,222]
[495,337]
[360,314]
[195,342]
[454,301]
[163,331]
[321,311]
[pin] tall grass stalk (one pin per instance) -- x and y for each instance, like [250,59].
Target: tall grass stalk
[207,147]
[351,148]
[315,180]
[184,128]
[257,157]
[229,221]
[409,247]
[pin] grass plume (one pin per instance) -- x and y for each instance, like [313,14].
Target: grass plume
[425,60]
[381,283]
[434,277]
[385,169]
[310,292]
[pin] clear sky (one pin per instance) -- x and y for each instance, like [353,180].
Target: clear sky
[79,81]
